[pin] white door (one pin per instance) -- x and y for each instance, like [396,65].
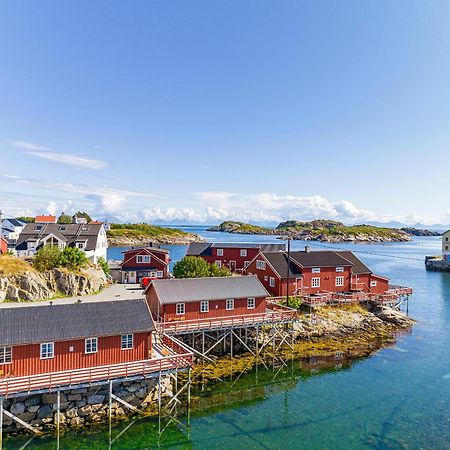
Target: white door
[132,277]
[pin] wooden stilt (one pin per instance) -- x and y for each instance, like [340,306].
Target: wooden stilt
[159,402]
[58,413]
[231,343]
[1,424]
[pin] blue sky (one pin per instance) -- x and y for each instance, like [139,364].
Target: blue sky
[208,110]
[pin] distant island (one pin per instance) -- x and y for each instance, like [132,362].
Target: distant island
[326,231]
[128,234]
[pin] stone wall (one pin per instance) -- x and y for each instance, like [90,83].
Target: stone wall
[83,407]
[437,264]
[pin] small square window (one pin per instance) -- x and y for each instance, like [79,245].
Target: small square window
[127,341]
[91,345]
[219,252]
[230,304]
[272,282]
[159,273]
[204,306]
[261,265]
[339,269]
[250,303]
[243,252]
[373,283]
[218,264]
[47,350]
[315,282]
[315,270]
[246,264]
[180,307]
[340,281]
[5,355]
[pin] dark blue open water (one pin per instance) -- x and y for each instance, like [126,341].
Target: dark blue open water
[397,398]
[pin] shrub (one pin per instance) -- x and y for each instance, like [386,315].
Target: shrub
[72,258]
[195,267]
[47,258]
[103,264]
[64,218]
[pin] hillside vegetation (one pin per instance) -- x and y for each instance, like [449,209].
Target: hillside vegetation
[143,233]
[230,226]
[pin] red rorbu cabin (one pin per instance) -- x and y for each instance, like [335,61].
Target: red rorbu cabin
[236,256]
[46,338]
[143,262]
[311,272]
[206,298]
[3,245]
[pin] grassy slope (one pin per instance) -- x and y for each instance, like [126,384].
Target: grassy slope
[144,230]
[10,265]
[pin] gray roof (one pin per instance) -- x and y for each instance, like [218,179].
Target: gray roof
[324,258]
[358,266]
[44,323]
[278,260]
[214,288]
[204,248]
[71,232]
[15,222]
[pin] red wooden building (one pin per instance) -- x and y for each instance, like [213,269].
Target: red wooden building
[151,261]
[236,256]
[311,272]
[3,245]
[47,338]
[204,298]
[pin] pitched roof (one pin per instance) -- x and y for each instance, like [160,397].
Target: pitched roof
[15,222]
[44,323]
[45,219]
[72,232]
[278,260]
[214,288]
[358,266]
[204,248]
[323,258]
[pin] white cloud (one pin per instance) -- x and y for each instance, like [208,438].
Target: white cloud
[52,208]
[60,157]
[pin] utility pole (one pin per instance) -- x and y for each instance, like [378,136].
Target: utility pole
[288,269]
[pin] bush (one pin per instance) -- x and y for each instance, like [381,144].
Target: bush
[50,257]
[47,258]
[103,264]
[64,218]
[195,267]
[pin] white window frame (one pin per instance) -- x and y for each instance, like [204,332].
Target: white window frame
[339,269]
[229,305]
[373,283]
[180,309]
[251,303]
[204,306]
[243,252]
[339,281]
[315,270]
[47,350]
[219,252]
[143,259]
[246,264]
[218,264]
[5,355]
[92,344]
[159,273]
[80,245]
[260,264]
[272,281]
[127,341]
[315,282]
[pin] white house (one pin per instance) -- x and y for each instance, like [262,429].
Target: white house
[91,238]
[11,229]
[446,245]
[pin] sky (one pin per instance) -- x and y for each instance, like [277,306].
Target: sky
[199,111]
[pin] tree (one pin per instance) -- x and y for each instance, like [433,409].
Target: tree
[72,258]
[82,214]
[64,218]
[26,219]
[47,258]
[103,264]
[195,267]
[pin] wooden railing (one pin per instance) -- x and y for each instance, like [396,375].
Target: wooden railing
[278,314]
[54,380]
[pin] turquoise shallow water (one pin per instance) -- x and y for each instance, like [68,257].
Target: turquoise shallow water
[397,398]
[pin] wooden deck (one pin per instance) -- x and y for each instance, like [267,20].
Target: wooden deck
[179,357]
[275,313]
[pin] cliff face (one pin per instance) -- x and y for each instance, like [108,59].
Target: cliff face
[33,286]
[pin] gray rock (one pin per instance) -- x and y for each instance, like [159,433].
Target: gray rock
[44,412]
[33,409]
[74,397]
[32,401]
[133,387]
[94,399]
[17,408]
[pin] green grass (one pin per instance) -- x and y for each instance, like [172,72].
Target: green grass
[143,229]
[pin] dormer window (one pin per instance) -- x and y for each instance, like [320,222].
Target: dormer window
[80,245]
[61,228]
[38,227]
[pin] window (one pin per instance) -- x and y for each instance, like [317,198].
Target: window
[5,355]
[204,306]
[61,228]
[315,282]
[80,245]
[243,252]
[230,304]
[219,252]
[180,308]
[266,278]
[261,265]
[446,247]
[159,273]
[373,283]
[339,269]
[340,281]
[218,264]
[250,303]
[315,270]
[91,345]
[246,264]
[127,341]
[143,258]
[446,239]
[272,282]
[47,350]
[38,227]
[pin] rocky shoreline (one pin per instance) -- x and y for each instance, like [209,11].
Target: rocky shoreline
[130,241]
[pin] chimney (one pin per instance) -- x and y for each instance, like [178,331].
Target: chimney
[307,249]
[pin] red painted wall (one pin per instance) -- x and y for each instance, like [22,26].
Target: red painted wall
[129,260]
[3,245]
[264,278]
[26,358]
[232,254]
[327,277]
